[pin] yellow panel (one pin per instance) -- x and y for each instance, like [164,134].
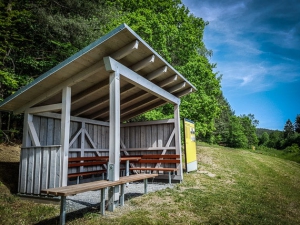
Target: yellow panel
[190,141]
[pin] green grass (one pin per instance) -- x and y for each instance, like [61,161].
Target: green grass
[293,156]
[230,187]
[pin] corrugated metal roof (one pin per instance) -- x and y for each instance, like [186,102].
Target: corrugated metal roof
[86,74]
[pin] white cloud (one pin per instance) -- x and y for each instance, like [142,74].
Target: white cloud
[238,32]
[256,46]
[247,77]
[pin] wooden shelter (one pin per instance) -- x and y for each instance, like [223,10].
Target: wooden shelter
[78,108]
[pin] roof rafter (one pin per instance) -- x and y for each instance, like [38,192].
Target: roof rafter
[126,50]
[97,87]
[139,81]
[146,108]
[177,87]
[184,92]
[99,101]
[67,83]
[157,73]
[143,63]
[167,81]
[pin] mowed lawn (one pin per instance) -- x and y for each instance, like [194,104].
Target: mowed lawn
[230,187]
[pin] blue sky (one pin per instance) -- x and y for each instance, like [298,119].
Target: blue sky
[256,45]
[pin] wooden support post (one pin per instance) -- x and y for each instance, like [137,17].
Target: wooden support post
[102,204]
[65,131]
[111,199]
[178,138]
[127,168]
[62,219]
[26,139]
[114,137]
[82,147]
[145,186]
[122,197]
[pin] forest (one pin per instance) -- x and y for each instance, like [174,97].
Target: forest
[37,35]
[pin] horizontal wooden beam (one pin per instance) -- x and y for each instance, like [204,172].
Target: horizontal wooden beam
[67,83]
[74,118]
[147,108]
[100,113]
[91,90]
[143,63]
[138,105]
[167,81]
[45,108]
[133,97]
[184,92]
[126,50]
[99,102]
[91,105]
[89,150]
[157,73]
[148,149]
[124,102]
[155,122]
[139,81]
[177,87]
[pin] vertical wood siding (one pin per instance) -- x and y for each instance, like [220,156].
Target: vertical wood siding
[39,169]
[40,166]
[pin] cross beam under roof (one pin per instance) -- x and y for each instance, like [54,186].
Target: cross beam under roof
[112,65]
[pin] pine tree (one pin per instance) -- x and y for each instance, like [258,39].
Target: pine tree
[288,129]
[297,124]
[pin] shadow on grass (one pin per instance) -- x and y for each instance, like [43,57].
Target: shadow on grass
[89,208]
[9,173]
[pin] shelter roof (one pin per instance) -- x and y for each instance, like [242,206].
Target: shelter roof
[88,75]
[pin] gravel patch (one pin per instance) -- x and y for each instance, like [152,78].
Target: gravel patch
[92,198]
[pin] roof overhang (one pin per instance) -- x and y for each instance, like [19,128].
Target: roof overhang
[147,80]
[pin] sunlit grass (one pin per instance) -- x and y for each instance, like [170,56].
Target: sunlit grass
[230,187]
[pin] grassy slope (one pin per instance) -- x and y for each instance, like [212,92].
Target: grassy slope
[12,209]
[230,187]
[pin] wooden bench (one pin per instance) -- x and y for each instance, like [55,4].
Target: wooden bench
[96,161]
[92,186]
[87,162]
[158,160]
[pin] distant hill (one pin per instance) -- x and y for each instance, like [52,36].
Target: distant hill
[259,131]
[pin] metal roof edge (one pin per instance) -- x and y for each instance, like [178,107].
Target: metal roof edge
[65,62]
[158,55]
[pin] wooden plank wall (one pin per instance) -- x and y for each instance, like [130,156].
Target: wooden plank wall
[91,138]
[150,138]
[39,169]
[48,130]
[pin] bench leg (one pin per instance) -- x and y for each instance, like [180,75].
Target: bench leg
[111,199]
[122,195]
[145,185]
[127,170]
[107,178]
[62,219]
[102,204]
